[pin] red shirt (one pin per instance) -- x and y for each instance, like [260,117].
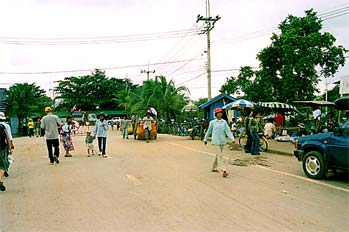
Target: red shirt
[279,120]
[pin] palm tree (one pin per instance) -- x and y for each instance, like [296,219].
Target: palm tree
[160,94]
[25,100]
[170,98]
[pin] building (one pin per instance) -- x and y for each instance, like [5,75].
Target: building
[217,102]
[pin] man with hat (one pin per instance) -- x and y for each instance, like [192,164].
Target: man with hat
[301,131]
[219,129]
[50,124]
[100,131]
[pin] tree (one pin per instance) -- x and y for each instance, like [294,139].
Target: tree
[88,92]
[26,100]
[290,68]
[160,94]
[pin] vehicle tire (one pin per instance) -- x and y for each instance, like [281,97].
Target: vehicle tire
[263,144]
[243,141]
[314,165]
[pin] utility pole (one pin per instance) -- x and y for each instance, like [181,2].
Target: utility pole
[209,25]
[147,72]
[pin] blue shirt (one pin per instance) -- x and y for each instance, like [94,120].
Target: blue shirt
[101,128]
[219,130]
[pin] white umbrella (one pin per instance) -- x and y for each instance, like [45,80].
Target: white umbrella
[241,103]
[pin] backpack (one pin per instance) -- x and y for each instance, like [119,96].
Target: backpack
[3,142]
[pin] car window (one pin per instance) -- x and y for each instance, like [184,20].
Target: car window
[345,128]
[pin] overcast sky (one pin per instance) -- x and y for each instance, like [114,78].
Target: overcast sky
[47,37]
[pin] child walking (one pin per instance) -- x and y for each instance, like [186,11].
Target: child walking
[219,130]
[89,143]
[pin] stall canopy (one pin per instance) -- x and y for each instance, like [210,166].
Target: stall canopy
[277,105]
[342,103]
[314,103]
[240,104]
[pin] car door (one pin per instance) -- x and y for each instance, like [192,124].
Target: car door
[338,147]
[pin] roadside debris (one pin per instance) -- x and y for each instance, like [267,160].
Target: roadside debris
[259,160]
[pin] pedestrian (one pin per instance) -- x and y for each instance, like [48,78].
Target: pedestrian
[30,128]
[301,131]
[233,126]
[255,127]
[248,144]
[66,138]
[147,125]
[50,124]
[317,117]
[11,145]
[124,128]
[37,127]
[134,122]
[219,129]
[89,144]
[279,122]
[332,122]
[6,147]
[269,129]
[100,131]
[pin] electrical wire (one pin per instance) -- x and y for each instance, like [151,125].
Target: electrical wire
[98,40]
[107,68]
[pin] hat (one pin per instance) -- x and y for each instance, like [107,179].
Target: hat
[301,125]
[2,116]
[48,109]
[101,113]
[217,110]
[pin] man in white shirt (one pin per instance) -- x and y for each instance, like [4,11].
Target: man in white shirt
[147,126]
[50,124]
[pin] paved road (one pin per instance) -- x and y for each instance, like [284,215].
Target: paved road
[166,185]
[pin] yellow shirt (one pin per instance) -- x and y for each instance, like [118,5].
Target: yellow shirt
[30,125]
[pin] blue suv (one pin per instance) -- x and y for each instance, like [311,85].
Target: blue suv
[322,152]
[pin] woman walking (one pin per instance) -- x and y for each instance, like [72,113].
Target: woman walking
[219,130]
[66,136]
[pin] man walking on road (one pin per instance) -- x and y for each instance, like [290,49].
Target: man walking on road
[219,130]
[100,131]
[50,124]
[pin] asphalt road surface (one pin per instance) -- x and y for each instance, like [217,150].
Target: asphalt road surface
[166,185]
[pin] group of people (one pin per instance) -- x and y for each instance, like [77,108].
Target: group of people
[147,122]
[51,124]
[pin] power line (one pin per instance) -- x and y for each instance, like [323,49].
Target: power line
[177,44]
[88,70]
[260,33]
[192,78]
[97,40]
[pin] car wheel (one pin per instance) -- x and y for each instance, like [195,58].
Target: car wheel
[314,165]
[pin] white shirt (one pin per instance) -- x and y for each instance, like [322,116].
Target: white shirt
[317,114]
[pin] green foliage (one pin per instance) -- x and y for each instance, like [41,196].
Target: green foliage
[289,65]
[26,100]
[88,92]
[164,96]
